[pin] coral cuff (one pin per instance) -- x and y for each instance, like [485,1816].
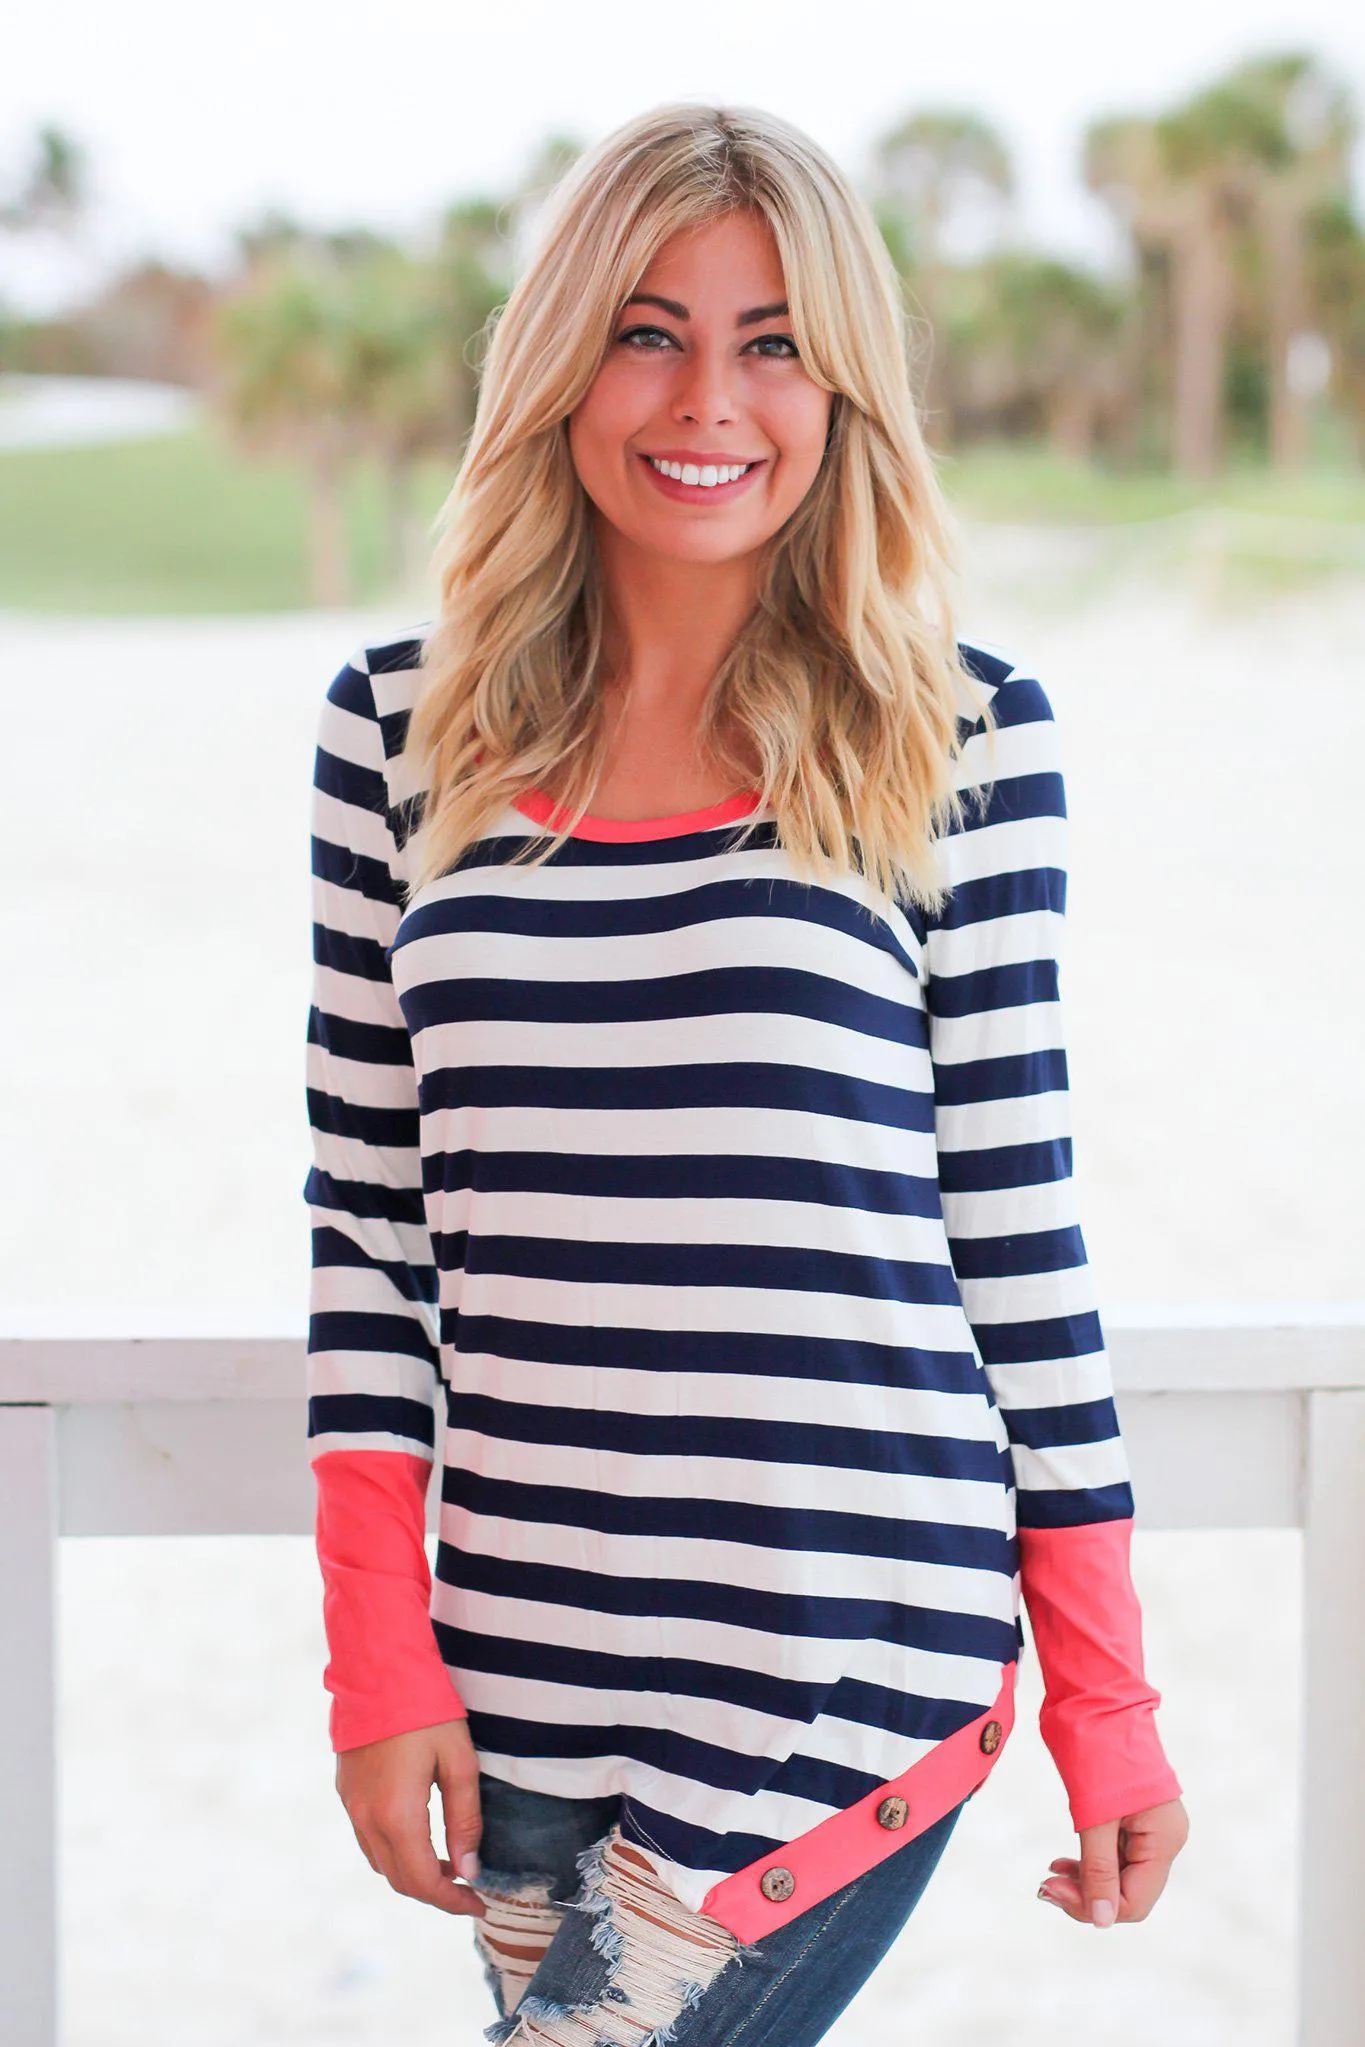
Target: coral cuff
[385,1673]
[1097,1719]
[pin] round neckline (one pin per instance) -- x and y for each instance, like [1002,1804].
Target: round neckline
[536,805]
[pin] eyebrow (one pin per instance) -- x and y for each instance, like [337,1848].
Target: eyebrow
[680,312]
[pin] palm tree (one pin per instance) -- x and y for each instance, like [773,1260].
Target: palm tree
[1170,183]
[54,192]
[287,379]
[1059,327]
[1303,161]
[414,319]
[1335,263]
[1242,163]
[474,260]
[928,172]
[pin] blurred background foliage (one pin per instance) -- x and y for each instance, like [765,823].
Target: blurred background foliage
[337,372]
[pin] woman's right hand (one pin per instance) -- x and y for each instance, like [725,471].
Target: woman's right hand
[385,1787]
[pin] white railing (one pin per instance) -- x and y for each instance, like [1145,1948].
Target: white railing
[1232,1420]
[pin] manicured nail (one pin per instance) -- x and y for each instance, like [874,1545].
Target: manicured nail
[468,1865]
[1049,1897]
[1102,1912]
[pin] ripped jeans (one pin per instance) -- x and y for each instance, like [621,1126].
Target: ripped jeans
[581,1947]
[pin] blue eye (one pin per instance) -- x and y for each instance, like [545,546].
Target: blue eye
[632,334]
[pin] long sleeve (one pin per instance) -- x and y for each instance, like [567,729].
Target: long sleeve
[373,1365]
[1003,1126]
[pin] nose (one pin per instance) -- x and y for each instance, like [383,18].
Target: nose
[704,393]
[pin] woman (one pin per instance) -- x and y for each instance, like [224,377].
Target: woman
[691,1130]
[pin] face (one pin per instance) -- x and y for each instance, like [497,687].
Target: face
[710,379]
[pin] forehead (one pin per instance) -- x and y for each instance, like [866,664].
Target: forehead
[732,253]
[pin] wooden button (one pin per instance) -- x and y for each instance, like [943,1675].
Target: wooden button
[892,1812]
[777,1885]
[990,1737]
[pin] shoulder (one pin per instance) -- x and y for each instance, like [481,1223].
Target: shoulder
[378,682]
[1009,686]
[362,726]
[1017,744]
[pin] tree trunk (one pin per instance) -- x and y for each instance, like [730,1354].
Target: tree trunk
[1285,317]
[1124,430]
[407,542]
[1071,420]
[329,580]
[1202,304]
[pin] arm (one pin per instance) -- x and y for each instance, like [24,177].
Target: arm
[373,1366]
[1002,1116]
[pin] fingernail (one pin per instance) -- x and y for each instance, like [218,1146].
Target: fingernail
[1048,1897]
[1102,1912]
[468,1865]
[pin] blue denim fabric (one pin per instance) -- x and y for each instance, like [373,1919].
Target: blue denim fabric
[783,1991]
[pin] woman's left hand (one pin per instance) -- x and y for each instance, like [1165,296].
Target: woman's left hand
[1123,1866]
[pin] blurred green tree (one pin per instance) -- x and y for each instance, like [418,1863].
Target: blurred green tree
[930,171]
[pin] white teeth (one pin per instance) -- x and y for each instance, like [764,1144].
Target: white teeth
[688,472]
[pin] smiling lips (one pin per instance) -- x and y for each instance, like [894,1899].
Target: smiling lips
[695,478]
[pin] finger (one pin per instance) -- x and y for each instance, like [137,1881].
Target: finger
[477,1905]
[1059,1890]
[411,1865]
[1143,1883]
[463,1818]
[1099,1875]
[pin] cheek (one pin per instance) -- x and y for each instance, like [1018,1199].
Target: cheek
[607,417]
[799,430]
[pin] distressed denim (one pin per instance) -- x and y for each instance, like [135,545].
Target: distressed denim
[541,1871]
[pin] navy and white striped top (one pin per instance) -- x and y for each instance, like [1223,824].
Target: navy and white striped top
[726,1221]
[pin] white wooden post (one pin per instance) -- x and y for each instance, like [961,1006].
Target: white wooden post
[1331,1949]
[28,1718]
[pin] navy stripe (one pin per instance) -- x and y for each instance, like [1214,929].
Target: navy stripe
[721,991]
[362,1414]
[841,1359]
[710,1085]
[681,1436]
[718,901]
[1074,1507]
[787,1614]
[1010,1257]
[697,1518]
[779,1267]
[671,1175]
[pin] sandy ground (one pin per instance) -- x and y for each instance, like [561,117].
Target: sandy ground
[157,825]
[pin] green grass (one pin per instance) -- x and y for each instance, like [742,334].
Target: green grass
[1036,487]
[184,524]
[174,524]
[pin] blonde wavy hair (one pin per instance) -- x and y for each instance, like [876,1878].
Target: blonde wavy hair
[845,677]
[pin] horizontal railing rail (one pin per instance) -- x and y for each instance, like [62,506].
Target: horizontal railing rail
[1232,1417]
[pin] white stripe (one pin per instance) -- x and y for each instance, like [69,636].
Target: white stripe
[706,1560]
[720,1040]
[736,1396]
[954,1502]
[682,1219]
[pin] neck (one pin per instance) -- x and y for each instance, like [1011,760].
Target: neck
[670,623]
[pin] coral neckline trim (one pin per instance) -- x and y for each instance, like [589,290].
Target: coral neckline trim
[533,803]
